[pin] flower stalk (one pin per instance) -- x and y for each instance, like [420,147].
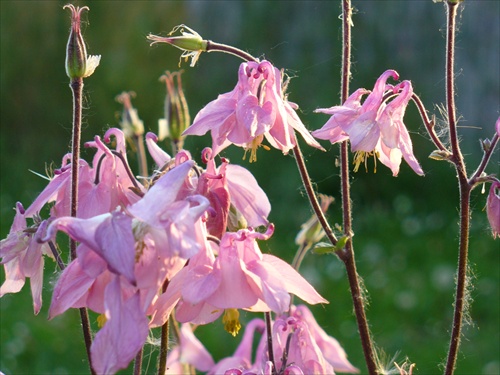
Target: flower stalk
[78,66]
[460,304]
[347,254]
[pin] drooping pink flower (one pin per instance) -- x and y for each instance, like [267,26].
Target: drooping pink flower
[493,208]
[329,346]
[234,195]
[298,340]
[22,257]
[241,277]
[374,127]
[242,357]
[102,187]
[256,108]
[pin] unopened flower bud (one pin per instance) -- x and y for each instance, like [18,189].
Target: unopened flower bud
[493,208]
[312,231]
[78,65]
[486,144]
[177,117]
[440,155]
[190,42]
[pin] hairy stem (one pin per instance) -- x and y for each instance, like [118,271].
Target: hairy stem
[465,189]
[56,255]
[138,362]
[162,361]
[429,124]
[347,254]
[77,90]
[269,333]
[485,160]
[76,85]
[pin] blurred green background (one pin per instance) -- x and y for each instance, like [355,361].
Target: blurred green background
[406,227]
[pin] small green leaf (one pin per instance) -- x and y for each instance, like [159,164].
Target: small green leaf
[323,248]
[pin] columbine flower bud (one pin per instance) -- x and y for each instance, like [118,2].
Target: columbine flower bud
[493,208]
[130,122]
[177,117]
[78,65]
[312,231]
[191,43]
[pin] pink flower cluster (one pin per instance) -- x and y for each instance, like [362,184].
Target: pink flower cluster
[186,238]
[188,228]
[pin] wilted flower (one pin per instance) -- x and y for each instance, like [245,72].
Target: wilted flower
[190,42]
[177,117]
[130,122]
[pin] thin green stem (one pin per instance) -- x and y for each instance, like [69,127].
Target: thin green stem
[347,254]
[465,189]
[76,85]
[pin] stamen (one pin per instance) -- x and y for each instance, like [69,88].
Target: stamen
[362,157]
[231,321]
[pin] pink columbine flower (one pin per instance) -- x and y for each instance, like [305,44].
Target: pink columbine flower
[493,208]
[234,195]
[22,257]
[241,277]
[256,108]
[374,127]
[102,187]
[329,346]
[242,358]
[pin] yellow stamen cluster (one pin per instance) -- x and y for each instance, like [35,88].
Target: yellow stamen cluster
[254,145]
[231,321]
[101,320]
[362,157]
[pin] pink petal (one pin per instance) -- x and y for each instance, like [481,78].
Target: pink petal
[192,350]
[123,335]
[71,286]
[247,196]
[293,281]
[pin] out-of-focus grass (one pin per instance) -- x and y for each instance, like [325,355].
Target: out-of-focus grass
[405,228]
